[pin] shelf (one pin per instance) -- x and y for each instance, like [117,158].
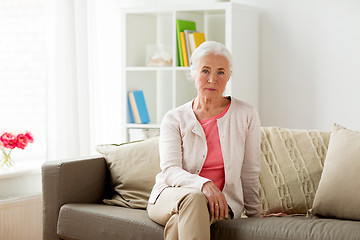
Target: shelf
[214,7]
[142,126]
[167,87]
[143,69]
[182,68]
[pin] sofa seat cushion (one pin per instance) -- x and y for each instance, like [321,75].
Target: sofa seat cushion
[98,221]
[289,228]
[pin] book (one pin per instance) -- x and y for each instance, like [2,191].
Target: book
[182,25]
[184,50]
[138,106]
[195,39]
[130,115]
[187,32]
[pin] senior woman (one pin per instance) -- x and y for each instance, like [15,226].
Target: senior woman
[209,154]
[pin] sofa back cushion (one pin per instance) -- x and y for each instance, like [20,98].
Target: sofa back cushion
[292,163]
[133,167]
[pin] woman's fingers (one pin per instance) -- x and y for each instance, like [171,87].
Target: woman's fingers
[225,211]
[221,208]
[208,191]
[211,206]
[217,211]
[217,201]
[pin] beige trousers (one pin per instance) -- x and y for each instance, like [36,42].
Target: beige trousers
[184,213]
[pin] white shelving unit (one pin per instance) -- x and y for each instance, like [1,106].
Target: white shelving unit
[165,88]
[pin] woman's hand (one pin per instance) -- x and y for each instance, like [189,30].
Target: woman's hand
[218,206]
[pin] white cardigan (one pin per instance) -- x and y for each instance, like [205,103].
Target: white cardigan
[183,151]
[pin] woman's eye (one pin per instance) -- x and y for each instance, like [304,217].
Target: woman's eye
[221,73]
[205,71]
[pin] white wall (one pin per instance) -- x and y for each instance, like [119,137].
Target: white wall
[309,61]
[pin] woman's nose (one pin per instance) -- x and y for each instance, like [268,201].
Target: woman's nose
[212,79]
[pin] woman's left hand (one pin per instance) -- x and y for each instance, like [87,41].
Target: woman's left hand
[218,206]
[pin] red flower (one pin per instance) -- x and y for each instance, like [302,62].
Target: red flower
[22,141]
[9,140]
[29,137]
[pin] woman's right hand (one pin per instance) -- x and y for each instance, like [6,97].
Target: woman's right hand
[218,206]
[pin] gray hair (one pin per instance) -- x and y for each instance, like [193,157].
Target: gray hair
[206,48]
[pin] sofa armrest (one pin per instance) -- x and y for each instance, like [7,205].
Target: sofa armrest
[70,181]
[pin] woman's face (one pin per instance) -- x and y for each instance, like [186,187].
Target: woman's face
[212,74]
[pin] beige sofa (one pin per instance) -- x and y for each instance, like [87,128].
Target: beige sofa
[292,164]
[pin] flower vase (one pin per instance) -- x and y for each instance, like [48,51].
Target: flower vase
[6,160]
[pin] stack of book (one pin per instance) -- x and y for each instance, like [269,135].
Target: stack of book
[188,39]
[138,112]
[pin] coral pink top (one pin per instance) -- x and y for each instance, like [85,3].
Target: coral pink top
[213,167]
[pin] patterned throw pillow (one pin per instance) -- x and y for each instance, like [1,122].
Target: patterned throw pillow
[292,163]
